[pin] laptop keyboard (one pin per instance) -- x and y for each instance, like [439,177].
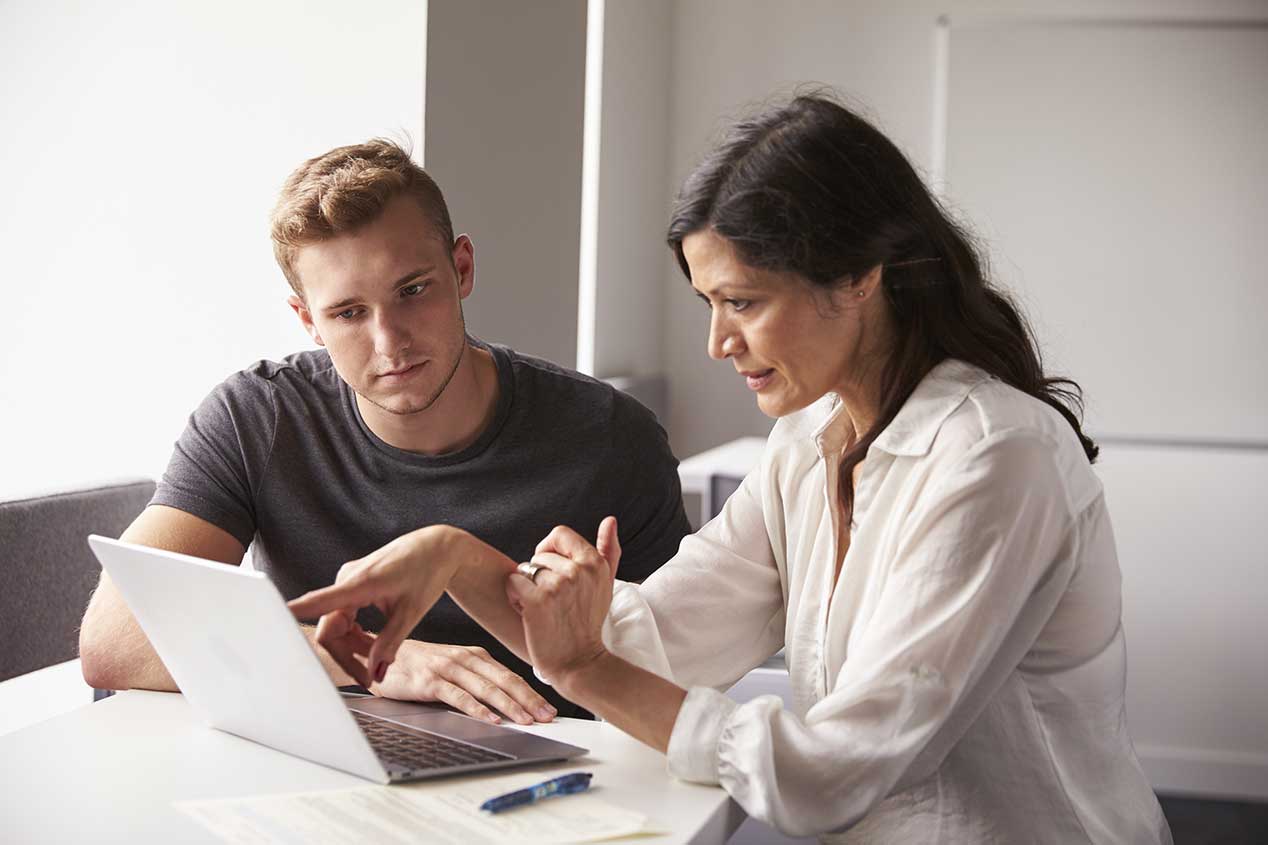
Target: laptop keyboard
[418,750]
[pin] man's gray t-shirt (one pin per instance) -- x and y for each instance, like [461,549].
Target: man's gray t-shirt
[278,454]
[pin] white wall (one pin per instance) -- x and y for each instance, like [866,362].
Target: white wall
[143,147]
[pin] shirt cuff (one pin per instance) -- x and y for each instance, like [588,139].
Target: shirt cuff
[630,631]
[693,744]
[625,604]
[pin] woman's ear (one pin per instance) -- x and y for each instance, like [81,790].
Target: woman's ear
[866,286]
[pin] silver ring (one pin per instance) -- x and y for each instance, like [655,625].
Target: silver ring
[530,570]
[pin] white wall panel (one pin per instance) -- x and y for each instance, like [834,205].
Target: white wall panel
[1119,172]
[1190,530]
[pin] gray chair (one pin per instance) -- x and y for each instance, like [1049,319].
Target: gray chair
[47,571]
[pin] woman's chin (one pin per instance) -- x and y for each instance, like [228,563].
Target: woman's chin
[777,406]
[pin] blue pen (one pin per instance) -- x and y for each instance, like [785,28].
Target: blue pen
[566,785]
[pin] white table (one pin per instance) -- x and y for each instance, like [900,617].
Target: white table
[110,771]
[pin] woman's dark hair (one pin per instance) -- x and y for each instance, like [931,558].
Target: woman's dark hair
[812,188]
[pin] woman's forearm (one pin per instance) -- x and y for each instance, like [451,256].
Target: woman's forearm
[642,704]
[478,585]
[638,702]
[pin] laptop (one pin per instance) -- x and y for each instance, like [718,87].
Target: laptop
[237,654]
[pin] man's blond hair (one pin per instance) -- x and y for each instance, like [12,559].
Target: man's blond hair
[343,190]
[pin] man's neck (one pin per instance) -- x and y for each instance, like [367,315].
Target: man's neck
[454,421]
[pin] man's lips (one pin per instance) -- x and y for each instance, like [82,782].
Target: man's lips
[403,371]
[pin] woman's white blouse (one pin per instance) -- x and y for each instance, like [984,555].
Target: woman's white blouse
[962,682]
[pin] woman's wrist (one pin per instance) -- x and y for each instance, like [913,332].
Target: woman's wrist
[579,682]
[638,702]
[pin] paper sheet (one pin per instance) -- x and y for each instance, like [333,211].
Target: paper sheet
[445,812]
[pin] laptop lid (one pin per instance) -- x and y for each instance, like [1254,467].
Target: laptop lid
[234,649]
[237,654]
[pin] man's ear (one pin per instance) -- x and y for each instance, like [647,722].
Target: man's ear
[464,263]
[305,317]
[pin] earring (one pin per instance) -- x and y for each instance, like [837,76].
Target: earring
[861,293]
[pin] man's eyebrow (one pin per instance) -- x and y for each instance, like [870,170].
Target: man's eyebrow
[408,277]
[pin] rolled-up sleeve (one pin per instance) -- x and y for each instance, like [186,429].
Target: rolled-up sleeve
[984,558]
[715,610]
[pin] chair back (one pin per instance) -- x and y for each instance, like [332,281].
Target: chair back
[47,571]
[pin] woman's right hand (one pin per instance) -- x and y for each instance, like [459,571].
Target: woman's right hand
[563,605]
[403,579]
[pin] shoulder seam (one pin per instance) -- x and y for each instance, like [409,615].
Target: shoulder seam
[268,461]
[557,370]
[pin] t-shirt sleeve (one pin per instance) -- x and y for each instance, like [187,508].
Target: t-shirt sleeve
[652,521]
[221,456]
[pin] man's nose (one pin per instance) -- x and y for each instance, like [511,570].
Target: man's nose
[390,336]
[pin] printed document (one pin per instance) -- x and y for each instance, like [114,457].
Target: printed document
[443,812]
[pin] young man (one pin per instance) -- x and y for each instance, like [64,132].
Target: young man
[399,420]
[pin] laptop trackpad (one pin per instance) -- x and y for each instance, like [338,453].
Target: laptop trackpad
[437,718]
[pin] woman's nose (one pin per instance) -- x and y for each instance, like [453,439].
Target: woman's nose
[723,340]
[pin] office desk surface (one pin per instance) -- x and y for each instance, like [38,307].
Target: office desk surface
[110,771]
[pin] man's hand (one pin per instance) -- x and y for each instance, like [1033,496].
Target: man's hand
[464,677]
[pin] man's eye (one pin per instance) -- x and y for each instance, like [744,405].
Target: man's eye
[414,289]
[739,304]
[346,315]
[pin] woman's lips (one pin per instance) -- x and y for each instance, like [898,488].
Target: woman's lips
[756,381]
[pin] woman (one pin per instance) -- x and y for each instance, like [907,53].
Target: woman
[924,537]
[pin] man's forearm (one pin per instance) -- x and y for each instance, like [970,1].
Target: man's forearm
[114,652]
